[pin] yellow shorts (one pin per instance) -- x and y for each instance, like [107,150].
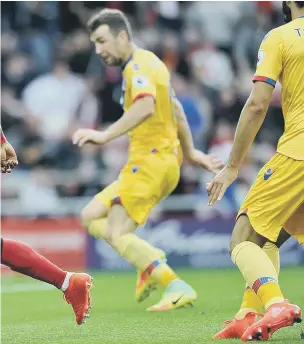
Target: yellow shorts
[142,183]
[276,199]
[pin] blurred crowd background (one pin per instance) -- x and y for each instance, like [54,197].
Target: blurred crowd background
[53,83]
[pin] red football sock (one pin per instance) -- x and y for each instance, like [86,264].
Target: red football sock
[23,259]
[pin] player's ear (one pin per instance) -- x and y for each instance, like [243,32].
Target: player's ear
[123,36]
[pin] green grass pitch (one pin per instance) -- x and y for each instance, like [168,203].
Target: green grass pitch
[42,316]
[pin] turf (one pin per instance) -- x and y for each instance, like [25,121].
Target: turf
[42,316]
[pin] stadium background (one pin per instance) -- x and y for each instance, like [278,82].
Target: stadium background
[53,83]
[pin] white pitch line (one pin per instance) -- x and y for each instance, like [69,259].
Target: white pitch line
[19,288]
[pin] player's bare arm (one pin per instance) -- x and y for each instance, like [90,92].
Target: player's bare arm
[193,155]
[251,119]
[184,132]
[142,109]
[8,155]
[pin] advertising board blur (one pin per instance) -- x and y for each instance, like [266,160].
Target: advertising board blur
[188,242]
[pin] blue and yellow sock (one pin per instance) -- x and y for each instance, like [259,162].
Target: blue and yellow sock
[258,271]
[145,257]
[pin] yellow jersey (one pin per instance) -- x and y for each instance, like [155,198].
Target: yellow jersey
[145,74]
[281,57]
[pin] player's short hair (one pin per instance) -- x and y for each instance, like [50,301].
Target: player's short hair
[115,19]
[300,4]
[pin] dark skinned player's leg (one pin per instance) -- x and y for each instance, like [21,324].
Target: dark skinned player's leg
[261,276]
[251,304]
[247,253]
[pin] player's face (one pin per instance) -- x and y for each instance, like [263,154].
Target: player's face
[108,46]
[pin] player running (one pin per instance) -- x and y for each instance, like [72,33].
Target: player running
[276,199]
[23,259]
[156,125]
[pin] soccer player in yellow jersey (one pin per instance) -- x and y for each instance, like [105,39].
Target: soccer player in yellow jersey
[156,125]
[276,199]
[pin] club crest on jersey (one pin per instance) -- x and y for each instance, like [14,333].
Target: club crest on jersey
[269,172]
[134,169]
[261,55]
[139,81]
[135,67]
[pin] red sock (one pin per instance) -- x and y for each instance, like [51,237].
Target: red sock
[23,259]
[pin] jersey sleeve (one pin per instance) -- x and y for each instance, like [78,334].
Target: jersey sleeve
[141,81]
[270,59]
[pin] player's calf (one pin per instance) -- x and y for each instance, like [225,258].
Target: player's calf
[23,259]
[243,231]
[136,250]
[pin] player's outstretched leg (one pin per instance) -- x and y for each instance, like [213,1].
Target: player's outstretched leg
[75,286]
[145,285]
[261,275]
[113,224]
[121,228]
[252,305]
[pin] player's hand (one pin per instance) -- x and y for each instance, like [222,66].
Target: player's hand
[8,158]
[216,189]
[82,136]
[207,162]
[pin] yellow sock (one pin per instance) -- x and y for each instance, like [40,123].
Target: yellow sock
[258,271]
[270,293]
[145,257]
[251,301]
[162,273]
[138,252]
[273,254]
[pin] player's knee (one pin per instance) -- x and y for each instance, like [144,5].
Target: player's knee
[241,232]
[93,210]
[113,235]
[232,245]
[85,218]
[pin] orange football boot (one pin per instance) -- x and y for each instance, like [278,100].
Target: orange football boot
[277,316]
[145,284]
[78,295]
[236,327]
